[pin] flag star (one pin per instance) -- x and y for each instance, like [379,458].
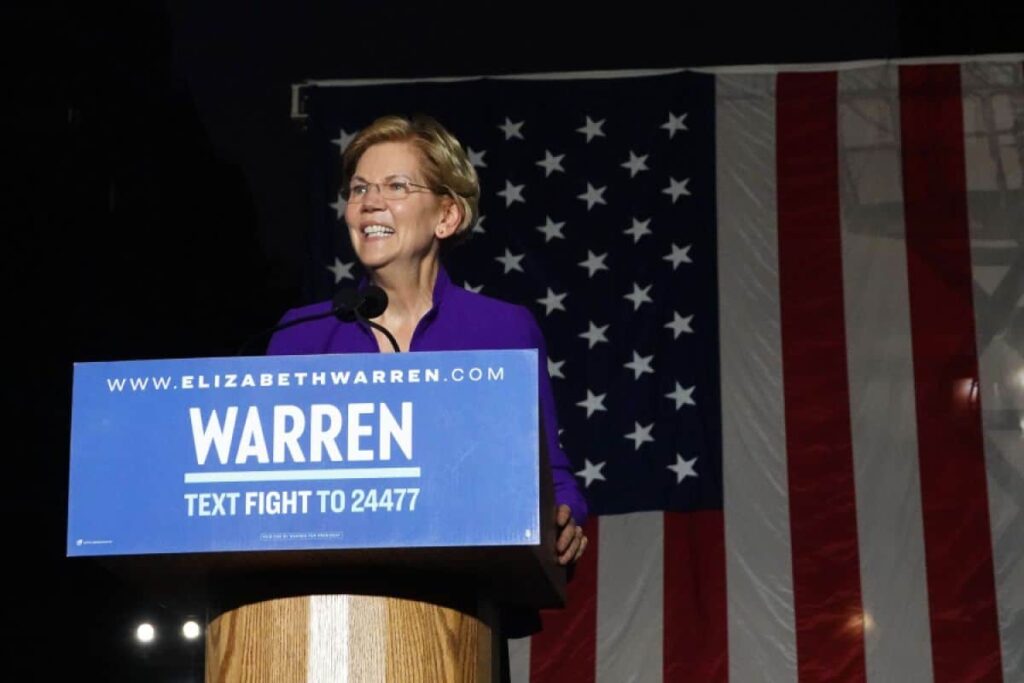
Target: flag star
[595,335]
[639,296]
[594,263]
[477,158]
[592,129]
[470,288]
[341,270]
[344,137]
[677,188]
[512,129]
[551,163]
[682,396]
[640,364]
[593,403]
[552,302]
[675,123]
[593,195]
[639,229]
[636,164]
[339,207]
[683,468]
[510,261]
[512,193]
[679,255]
[478,227]
[551,230]
[679,324]
[555,369]
[591,472]
[640,435]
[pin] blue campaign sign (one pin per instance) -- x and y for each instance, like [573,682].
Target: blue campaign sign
[304,452]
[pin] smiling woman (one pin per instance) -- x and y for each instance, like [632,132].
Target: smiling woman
[411,193]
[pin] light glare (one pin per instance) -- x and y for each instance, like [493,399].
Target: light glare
[190,630]
[145,633]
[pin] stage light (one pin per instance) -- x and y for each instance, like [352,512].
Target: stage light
[145,633]
[190,629]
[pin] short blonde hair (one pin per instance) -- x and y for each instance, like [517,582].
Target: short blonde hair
[445,164]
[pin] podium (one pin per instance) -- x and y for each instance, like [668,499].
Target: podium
[262,495]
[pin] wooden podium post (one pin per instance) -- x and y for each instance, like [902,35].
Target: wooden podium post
[352,638]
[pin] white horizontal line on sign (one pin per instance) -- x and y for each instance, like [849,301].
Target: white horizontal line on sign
[303,475]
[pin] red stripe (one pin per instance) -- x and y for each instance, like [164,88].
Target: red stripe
[695,645]
[823,520]
[564,651]
[954,498]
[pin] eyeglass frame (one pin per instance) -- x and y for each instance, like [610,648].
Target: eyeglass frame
[346,192]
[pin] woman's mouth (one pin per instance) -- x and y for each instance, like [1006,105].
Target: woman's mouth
[377,231]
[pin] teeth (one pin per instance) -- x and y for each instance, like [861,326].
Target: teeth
[377,230]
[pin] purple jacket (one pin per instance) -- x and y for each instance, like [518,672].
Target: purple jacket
[459,321]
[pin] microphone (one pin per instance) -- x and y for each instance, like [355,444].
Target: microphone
[370,303]
[348,305]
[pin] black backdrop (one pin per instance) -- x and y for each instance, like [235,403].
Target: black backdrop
[159,206]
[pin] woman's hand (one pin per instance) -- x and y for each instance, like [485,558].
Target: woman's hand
[571,542]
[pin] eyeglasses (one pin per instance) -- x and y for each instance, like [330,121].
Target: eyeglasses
[392,189]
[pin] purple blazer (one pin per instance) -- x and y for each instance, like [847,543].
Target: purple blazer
[459,321]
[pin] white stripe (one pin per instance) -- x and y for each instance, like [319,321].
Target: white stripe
[304,475]
[883,420]
[630,591]
[519,660]
[762,641]
[327,655]
[993,119]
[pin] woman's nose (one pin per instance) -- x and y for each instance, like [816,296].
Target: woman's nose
[373,199]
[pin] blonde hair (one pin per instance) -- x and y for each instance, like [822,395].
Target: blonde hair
[445,164]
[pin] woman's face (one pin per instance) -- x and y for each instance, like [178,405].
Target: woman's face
[395,231]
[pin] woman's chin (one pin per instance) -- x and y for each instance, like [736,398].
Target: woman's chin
[375,254]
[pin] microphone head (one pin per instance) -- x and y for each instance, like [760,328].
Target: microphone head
[374,302]
[344,304]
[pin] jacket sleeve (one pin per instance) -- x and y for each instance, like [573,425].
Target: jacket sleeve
[567,490]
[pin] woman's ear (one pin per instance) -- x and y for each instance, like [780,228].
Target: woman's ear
[450,220]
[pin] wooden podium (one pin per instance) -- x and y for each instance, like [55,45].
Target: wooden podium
[351,638]
[408,597]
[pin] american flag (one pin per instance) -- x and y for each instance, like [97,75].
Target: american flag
[785,320]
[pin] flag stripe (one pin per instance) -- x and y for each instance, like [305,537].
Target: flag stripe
[826,573]
[563,652]
[994,96]
[761,639]
[961,587]
[519,660]
[881,370]
[695,624]
[631,576]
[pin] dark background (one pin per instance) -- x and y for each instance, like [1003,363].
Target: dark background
[159,206]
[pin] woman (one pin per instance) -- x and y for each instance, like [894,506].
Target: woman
[411,193]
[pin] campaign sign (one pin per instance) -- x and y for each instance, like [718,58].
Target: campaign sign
[304,452]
